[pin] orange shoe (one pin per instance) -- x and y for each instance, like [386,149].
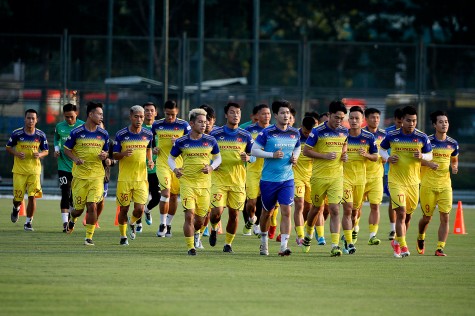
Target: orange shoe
[420,247]
[278,238]
[397,249]
[440,253]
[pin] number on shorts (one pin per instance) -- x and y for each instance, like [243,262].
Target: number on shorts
[217,197]
[299,190]
[347,194]
[19,194]
[166,181]
[316,197]
[401,198]
[184,201]
[63,180]
[427,207]
[78,200]
[124,197]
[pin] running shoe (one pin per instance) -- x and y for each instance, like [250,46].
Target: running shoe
[88,242]
[161,230]
[228,249]
[373,241]
[148,218]
[335,252]
[213,238]
[420,247]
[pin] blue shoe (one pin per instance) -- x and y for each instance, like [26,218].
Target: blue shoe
[148,218]
[321,241]
[206,232]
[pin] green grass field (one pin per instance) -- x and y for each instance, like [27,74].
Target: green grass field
[47,272]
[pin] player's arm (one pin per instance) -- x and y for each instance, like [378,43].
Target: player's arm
[150,162]
[295,154]
[371,154]
[13,152]
[259,152]
[454,163]
[56,143]
[307,151]
[172,164]
[69,153]
[41,154]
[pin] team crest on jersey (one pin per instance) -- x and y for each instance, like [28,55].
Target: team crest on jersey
[415,140]
[98,137]
[239,139]
[175,128]
[36,140]
[205,144]
[363,141]
[82,135]
[292,136]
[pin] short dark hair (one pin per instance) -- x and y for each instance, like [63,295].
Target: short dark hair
[322,115]
[148,104]
[313,114]
[409,110]
[308,122]
[259,107]
[398,113]
[91,106]
[356,108]
[434,115]
[231,104]
[370,111]
[210,114]
[68,107]
[170,104]
[31,111]
[293,111]
[337,106]
[276,105]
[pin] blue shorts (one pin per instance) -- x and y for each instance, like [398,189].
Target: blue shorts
[273,192]
[386,186]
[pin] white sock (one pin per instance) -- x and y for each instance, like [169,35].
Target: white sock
[372,235]
[28,220]
[393,226]
[169,219]
[146,210]
[356,228]
[264,238]
[163,219]
[64,216]
[284,238]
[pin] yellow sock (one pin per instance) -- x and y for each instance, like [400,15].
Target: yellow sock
[75,219]
[123,230]
[320,231]
[202,229]
[229,238]
[133,219]
[357,221]
[421,236]
[336,238]
[273,219]
[402,241]
[373,228]
[190,242]
[441,245]
[215,226]
[299,231]
[90,230]
[348,236]
[308,231]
